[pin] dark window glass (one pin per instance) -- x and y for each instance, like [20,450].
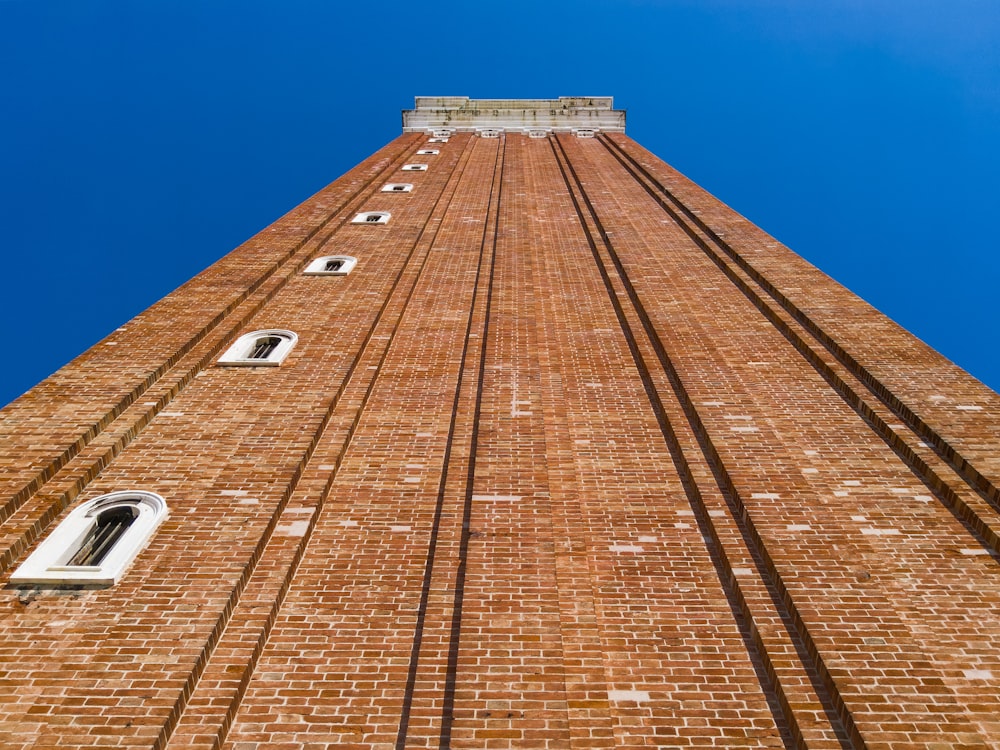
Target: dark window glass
[334,265]
[373,217]
[110,527]
[264,347]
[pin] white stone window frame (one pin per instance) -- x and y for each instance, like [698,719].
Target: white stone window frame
[537,132]
[441,132]
[437,139]
[489,132]
[428,152]
[585,132]
[47,564]
[397,187]
[238,355]
[318,266]
[363,218]
[414,167]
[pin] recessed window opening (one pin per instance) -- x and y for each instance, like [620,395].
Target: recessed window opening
[398,187]
[260,348]
[537,133]
[331,265]
[437,140]
[441,132]
[110,527]
[264,347]
[414,167]
[428,152]
[584,133]
[96,542]
[490,133]
[372,217]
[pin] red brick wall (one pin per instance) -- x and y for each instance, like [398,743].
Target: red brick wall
[575,457]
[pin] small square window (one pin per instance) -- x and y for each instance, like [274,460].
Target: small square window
[397,187]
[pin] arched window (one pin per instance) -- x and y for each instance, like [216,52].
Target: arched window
[260,348]
[397,187]
[372,217]
[108,529]
[331,265]
[97,542]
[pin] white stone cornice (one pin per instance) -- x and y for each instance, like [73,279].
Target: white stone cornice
[565,114]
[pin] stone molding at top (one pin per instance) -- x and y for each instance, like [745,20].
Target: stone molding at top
[567,113]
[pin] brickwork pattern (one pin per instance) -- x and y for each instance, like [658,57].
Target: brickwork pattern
[575,457]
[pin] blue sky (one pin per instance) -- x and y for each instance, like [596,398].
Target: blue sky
[141,140]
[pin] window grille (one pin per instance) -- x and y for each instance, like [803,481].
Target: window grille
[96,542]
[264,347]
[106,533]
[331,265]
[260,348]
[372,217]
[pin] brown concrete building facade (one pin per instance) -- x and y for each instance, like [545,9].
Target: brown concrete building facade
[574,456]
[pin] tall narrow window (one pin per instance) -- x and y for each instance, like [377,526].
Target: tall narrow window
[260,348]
[96,542]
[106,532]
[331,265]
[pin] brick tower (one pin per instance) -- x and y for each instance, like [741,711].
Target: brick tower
[510,437]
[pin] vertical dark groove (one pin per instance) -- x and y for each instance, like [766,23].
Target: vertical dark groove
[411,677]
[972,476]
[259,549]
[45,474]
[832,702]
[977,527]
[451,675]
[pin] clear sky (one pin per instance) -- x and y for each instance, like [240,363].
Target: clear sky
[140,140]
